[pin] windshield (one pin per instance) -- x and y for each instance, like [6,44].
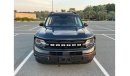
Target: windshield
[63,20]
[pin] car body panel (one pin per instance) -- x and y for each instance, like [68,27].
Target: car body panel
[63,34]
[70,33]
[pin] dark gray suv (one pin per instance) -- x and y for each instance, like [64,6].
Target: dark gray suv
[64,38]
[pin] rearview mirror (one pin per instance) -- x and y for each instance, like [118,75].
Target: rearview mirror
[85,24]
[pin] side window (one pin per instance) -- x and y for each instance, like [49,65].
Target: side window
[79,21]
[49,20]
[76,21]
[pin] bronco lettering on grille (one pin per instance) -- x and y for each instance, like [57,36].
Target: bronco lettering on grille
[65,44]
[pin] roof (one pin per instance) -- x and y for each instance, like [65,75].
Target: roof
[62,13]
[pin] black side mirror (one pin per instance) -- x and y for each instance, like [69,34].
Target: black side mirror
[41,24]
[85,24]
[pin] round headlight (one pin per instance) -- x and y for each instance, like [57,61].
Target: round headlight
[89,41]
[39,41]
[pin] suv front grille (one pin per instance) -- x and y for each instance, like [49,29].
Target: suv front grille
[65,44]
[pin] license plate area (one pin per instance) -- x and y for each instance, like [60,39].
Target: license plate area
[70,59]
[64,59]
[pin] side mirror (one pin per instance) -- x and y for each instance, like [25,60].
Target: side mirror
[41,24]
[85,24]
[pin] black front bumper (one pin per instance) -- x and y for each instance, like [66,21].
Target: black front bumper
[63,56]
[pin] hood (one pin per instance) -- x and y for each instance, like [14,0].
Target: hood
[63,33]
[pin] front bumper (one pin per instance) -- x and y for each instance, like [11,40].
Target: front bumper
[80,56]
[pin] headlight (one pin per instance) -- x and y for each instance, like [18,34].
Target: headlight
[90,50]
[89,41]
[40,41]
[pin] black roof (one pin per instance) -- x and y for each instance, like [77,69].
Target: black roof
[62,13]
